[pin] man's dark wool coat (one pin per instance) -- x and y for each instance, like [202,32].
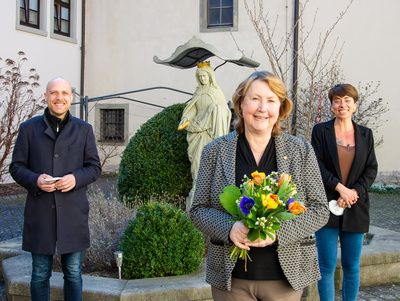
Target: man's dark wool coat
[55,222]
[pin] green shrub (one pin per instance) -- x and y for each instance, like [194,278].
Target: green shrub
[385,188]
[161,241]
[155,162]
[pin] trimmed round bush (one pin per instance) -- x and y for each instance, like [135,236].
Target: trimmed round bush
[155,162]
[161,241]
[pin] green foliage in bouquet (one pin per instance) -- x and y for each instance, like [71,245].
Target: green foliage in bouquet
[261,204]
[161,241]
[155,162]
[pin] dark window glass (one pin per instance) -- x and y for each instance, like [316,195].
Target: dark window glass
[29,13]
[214,3]
[227,15]
[112,125]
[62,17]
[220,13]
[214,17]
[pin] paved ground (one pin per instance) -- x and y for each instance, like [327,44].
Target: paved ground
[385,213]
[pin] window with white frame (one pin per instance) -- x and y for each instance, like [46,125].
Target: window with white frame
[29,13]
[31,16]
[218,15]
[62,17]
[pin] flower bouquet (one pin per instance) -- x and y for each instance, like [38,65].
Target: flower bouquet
[261,203]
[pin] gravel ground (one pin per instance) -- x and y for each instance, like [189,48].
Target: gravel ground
[385,211]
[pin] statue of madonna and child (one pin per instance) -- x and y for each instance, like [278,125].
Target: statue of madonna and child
[206,117]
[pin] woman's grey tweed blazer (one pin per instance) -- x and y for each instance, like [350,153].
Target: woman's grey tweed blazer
[296,251]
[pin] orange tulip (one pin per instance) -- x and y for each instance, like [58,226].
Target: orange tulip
[258,177]
[284,178]
[249,184]
[296,208]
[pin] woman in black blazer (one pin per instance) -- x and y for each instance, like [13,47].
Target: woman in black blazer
[346,157]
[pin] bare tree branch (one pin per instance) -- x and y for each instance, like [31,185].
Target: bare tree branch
[318,70]
[109,150]
[17,104]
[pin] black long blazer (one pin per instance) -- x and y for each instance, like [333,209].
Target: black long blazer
[57,220]
[362,174]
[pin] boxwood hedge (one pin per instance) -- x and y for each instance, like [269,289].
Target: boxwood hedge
[161,241]
[155,161]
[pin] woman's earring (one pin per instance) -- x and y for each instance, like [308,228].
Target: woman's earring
[354,110]
[332,111]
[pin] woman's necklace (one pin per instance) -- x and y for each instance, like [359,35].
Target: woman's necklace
[341,142]
[344,138]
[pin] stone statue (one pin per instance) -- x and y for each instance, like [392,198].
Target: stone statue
[205,118]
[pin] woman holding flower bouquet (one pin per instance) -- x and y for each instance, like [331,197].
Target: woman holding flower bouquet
[260,230]
[346,156]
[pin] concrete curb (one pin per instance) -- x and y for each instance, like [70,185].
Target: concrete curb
[10,248]
[381,258]
[17,272]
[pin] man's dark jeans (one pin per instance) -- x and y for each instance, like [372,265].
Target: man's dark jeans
[41,273]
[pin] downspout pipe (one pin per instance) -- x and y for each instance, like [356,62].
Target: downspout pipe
[83,50]
[295,63]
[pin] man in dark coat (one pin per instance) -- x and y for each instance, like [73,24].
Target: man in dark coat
[55,158]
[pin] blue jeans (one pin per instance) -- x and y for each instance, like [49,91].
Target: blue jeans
[327,245]
[41,273]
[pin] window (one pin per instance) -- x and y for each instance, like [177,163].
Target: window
[112,125]
[62,17]
[218,15]
[29,14]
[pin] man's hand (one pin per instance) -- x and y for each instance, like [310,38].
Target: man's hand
[66,184]
[47,186]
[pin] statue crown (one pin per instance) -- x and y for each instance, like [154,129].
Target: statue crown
[203,64]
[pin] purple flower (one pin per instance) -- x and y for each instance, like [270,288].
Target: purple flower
[246,204]
[291,200]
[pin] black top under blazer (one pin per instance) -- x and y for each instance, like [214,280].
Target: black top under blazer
[362,174]
[296,250]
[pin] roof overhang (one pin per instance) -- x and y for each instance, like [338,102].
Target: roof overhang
[195,51]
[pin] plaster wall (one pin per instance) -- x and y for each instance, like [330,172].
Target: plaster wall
[370,32]
[51,57]
[123,36]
